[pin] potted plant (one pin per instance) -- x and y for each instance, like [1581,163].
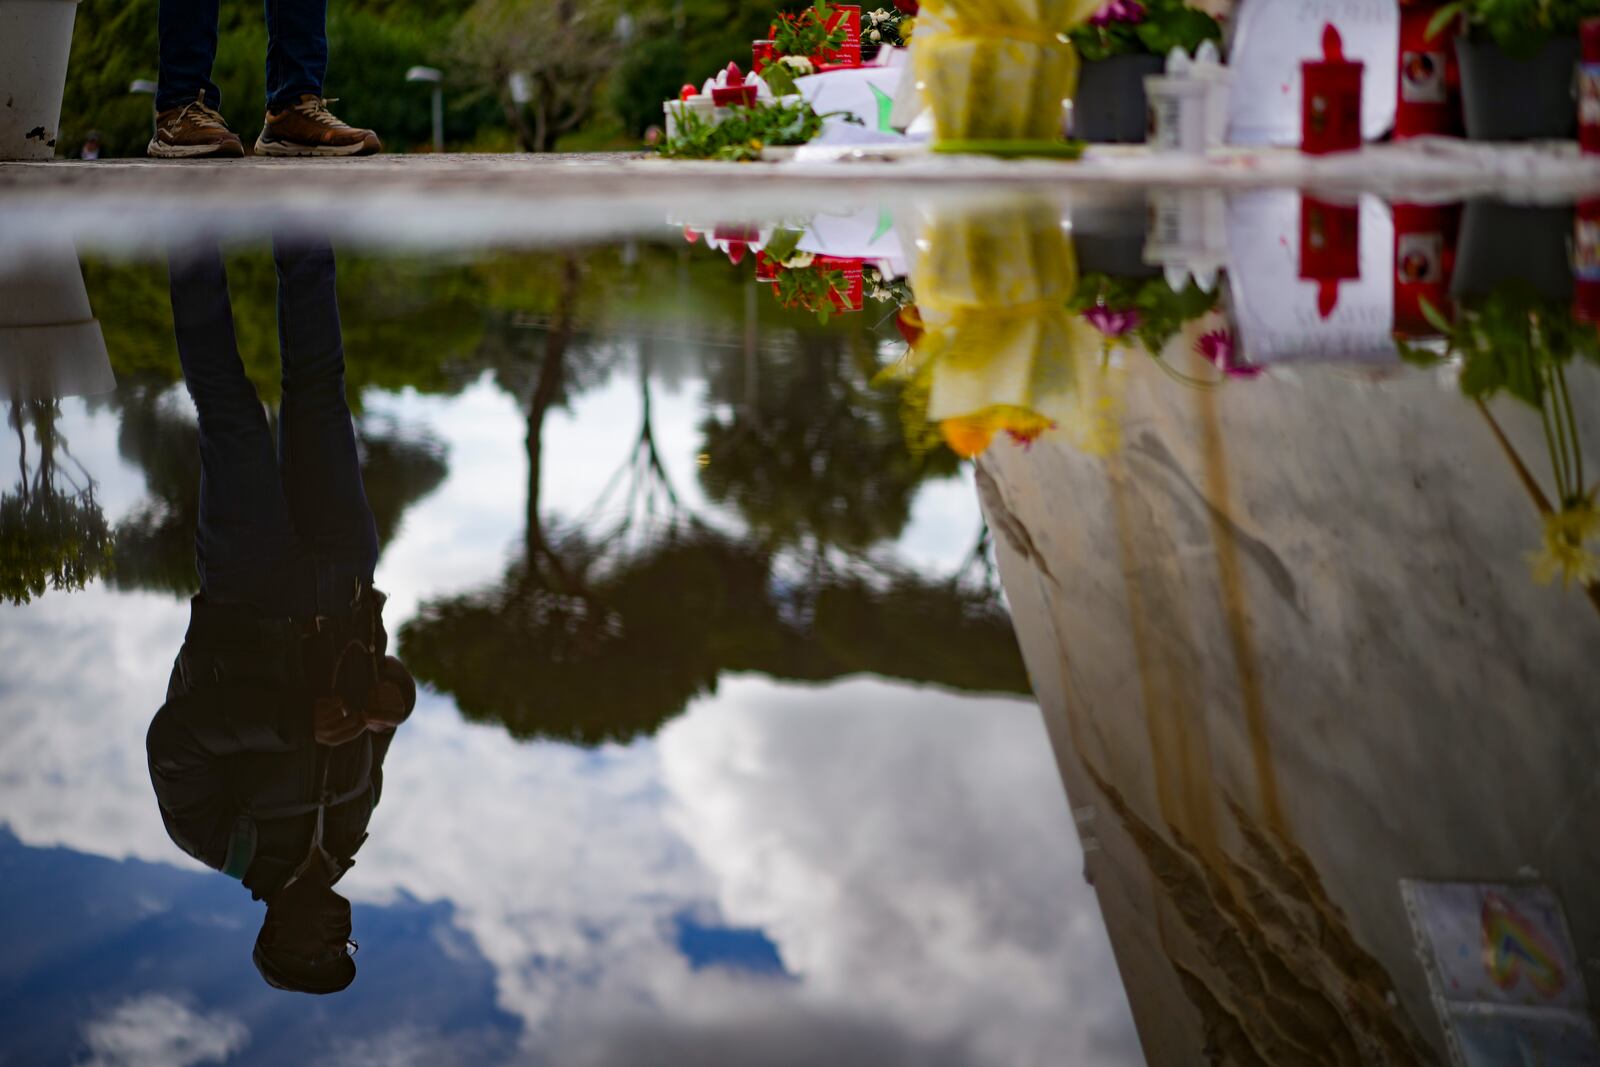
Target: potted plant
[1502,243]
[35,43]
[1518,59]
[1146,311]
[1518,342]
[1122,43]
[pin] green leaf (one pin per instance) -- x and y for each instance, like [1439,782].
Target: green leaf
[1416,356]
[779,79]
[781,245]
[1443,18]
[1167,24]
[1435,317]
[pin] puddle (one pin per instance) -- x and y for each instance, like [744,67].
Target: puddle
[1117,627]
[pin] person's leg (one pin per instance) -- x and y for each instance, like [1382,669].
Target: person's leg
[317,455]
[188,32]
[298,120]
[244,543]
[297,50]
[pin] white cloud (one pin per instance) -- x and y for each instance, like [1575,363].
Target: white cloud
[912,855]
[908,851]
[157,1030]
[83,675]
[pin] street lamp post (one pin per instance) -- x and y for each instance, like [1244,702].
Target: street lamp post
[434,77]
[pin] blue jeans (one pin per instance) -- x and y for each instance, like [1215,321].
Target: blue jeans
[297,51]
[286,531]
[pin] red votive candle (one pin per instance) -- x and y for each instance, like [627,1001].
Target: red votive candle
[1331,99]
[761,53]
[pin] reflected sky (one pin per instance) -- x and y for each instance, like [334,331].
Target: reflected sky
[857,871]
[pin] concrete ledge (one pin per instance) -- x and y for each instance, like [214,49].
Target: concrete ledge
[499,199]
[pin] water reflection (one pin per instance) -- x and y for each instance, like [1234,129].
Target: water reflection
[1277,595]
[54,530]
[628,887]
[267,756]
[1263,472]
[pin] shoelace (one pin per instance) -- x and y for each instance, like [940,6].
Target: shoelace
[197,113]
[316,109]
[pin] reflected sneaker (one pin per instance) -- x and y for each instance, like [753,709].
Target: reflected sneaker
[308,128]
[193,131]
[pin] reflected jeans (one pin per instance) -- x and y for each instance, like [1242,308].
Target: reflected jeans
[297,51]
[287,531]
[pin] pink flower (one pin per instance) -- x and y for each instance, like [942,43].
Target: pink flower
[1218,348]
[1111,323]
[1117,11]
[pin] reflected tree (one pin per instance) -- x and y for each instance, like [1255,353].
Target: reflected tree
[899,625]
[602,628]
[809,451]
[53,533]
[578,642]
[601,633]
[155,541]
[407,324]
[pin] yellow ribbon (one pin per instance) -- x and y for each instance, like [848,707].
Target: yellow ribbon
[997,32]
[990,311]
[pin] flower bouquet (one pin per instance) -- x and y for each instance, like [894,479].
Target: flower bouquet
[995,73]
[821,38]
[1517,61]
[824,285]
[888,26]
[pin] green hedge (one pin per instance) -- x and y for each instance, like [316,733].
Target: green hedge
[372,45]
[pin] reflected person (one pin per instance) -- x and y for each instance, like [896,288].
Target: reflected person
[267,756]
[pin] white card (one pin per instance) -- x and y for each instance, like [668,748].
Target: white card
[1273,37]
[1277,312]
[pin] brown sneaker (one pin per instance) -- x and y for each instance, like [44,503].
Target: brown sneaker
[193,131]
[310,129]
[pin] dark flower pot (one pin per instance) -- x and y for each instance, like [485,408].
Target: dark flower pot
[1110,106]
[1504,243]
[1111,240]
[1507,98]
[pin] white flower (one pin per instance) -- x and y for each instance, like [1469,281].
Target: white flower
[878,15]
[799,64]
[874,35]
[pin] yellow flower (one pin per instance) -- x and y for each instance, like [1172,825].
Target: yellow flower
[971,435]
[967,437]
[1565,552]
[908,26]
